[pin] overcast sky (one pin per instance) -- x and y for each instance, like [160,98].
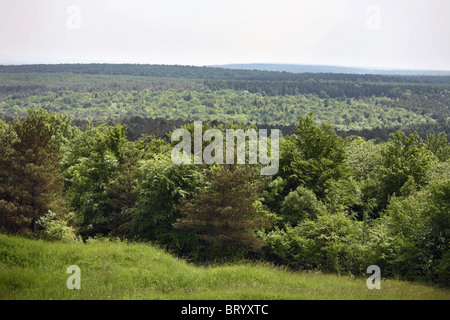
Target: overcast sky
[410,34]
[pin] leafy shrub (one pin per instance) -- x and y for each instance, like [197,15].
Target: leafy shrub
[56,229]
[331,243]
[421,223]
[299,205]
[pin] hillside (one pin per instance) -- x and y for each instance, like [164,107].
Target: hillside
[35,269]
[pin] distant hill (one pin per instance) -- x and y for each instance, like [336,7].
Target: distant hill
[302,68]
[247,72]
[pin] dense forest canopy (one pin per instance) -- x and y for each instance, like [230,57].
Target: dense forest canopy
[372,105]
[79,136]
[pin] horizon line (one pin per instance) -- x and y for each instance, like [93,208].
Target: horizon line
[238,64]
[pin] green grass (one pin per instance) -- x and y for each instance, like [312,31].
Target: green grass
[36,269]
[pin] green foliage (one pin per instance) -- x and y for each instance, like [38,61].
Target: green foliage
[420,222]
[330,243]
[300,204]
[404,176]
[3,127]
[29,172]
[161,184]
[273,195]
[227,211]
[438,144]
[223,105]
[343,195]
[403,158]
[99,174]
[363,157]
[57,229]
[312,157]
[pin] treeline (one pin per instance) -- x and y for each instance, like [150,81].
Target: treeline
[21,85]
[335,205]
[212,73]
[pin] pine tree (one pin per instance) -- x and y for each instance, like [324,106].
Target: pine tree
[225,213]
[29,165]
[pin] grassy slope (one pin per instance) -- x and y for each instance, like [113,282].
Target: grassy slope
[32,269]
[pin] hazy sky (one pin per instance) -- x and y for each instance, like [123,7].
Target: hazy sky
[412,34]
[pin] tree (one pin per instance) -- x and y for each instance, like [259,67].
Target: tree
[3,127]
[363,157]
[439,145]
[420,222]
[404,158]
[311,157]
[161,184]
[29,168]
[227,211]
[300,204]
[99,179]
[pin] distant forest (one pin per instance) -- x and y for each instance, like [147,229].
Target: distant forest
[152,99]
[302,68]
[213,73]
